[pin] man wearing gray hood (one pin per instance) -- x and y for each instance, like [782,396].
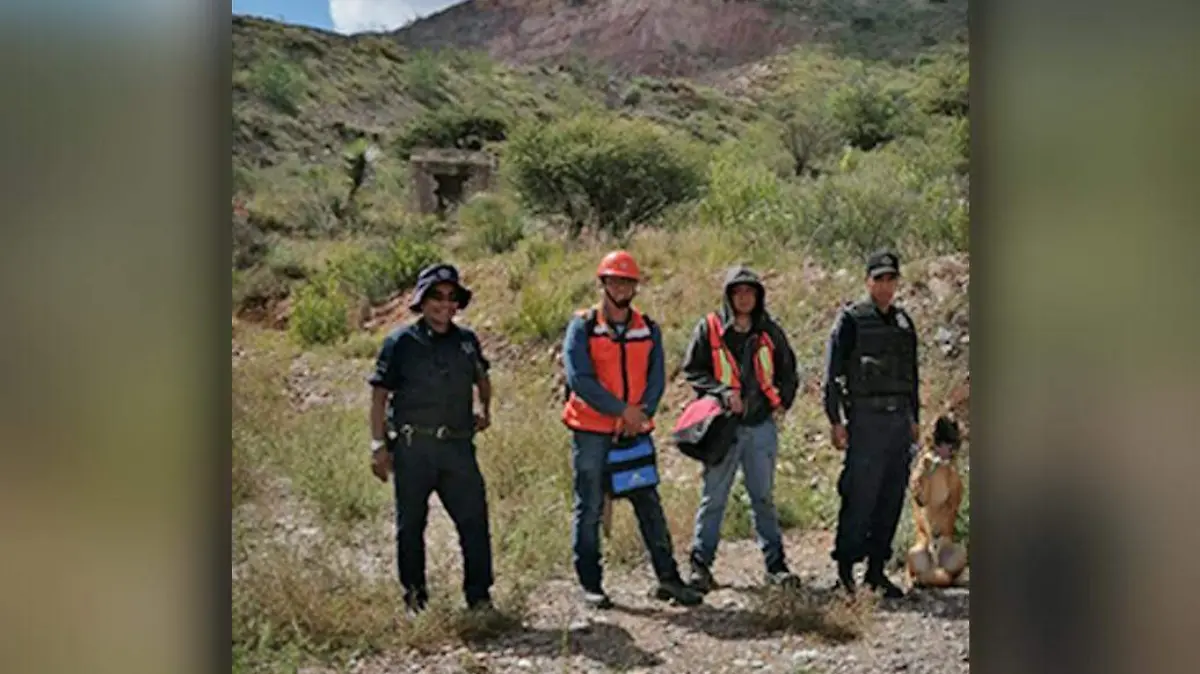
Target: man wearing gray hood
[741,356]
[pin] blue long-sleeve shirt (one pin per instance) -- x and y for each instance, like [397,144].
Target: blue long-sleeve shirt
[581,375]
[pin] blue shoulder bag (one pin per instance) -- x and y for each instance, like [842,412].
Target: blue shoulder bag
[631,466]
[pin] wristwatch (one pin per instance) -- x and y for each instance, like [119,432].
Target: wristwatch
[377,445]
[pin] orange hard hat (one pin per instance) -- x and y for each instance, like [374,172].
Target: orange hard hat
[621,264]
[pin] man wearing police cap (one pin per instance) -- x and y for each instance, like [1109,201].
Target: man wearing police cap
[872,403]
[424,382]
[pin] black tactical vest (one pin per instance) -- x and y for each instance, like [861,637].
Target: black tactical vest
[882,362]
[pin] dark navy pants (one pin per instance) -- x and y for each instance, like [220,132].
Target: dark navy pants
[872,484]
[449,468]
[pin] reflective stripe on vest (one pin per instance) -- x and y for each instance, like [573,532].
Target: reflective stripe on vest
[725,367]
[622,367]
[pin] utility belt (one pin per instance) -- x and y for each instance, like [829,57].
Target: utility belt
[405,433]
[884,403]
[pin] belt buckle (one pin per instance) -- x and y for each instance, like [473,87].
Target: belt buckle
[441,432]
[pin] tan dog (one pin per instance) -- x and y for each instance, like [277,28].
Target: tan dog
[936,560]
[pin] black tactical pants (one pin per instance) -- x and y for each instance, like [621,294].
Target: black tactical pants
[873,483]
[449,468]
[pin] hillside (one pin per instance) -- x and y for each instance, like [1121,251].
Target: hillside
[685,37]
[796,163]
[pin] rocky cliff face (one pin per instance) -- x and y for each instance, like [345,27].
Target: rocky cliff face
[653,37]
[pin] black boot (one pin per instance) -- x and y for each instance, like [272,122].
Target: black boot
[415,600]
[846,576]
[878,580]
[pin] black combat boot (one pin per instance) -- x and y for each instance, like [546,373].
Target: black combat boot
[416,600]
[846,576]
[876,579]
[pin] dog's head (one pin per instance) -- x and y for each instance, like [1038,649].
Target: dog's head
[946,433]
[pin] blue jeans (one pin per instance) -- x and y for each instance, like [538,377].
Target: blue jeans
[754,450]
[588,454]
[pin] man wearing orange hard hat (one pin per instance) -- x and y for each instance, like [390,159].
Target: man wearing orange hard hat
[616,375]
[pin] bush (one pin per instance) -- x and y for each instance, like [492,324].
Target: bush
[281,84]
[868,112]
[375,274]
[878,202]
[453,127]
[250,245]
[257,288]
[602,171]
[945,85]
[424,75]
[320,313]
[736,189]
[492,223]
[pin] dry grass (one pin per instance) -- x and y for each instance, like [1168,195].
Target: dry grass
[827,616]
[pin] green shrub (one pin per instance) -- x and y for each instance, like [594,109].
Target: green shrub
[868,112]
[453,127]
[602,171]
[256,288]
[879,201]
[424,76]
[280,83]
[736,189]
[376,273]
[492,223]
[320,313]
[945,85]
[250,245]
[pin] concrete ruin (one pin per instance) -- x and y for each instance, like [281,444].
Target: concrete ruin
[443,178]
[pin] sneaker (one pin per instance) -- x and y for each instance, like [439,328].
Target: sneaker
[677,591]
[596,599]
[702,579]
[783,578]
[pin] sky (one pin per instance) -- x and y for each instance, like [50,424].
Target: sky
[343,16]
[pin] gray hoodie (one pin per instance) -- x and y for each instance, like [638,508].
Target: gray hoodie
[698,366]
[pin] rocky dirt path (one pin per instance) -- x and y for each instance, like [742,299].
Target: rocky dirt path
[740,627]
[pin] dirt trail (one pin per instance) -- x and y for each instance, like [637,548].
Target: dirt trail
[927,632]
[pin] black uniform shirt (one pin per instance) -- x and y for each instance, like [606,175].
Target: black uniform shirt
[430,375]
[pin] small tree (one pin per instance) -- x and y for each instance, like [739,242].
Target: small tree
[601,170]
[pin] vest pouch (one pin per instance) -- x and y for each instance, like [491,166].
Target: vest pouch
[631,466]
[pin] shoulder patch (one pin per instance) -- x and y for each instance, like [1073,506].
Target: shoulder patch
[467,345]
[859,309]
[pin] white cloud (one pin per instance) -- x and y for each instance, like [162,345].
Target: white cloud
[356,16]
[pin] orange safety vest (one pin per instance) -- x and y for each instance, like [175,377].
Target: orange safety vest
[725,367]
[622,365]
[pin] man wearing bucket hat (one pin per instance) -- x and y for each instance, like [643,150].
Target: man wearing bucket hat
[872,402]
[424,382]
[616,375]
